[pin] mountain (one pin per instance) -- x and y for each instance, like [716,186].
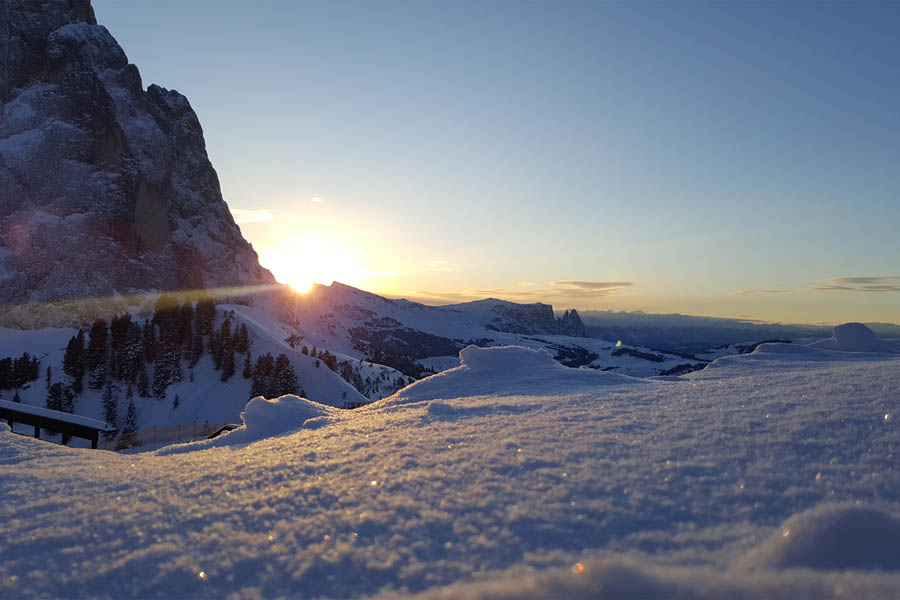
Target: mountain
[417,339]
[687,333]
[105,187]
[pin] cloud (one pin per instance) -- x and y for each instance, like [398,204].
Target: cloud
[563,290]
[584,289]
[316,199]
[437,266]
[594,285]
[888,283]
[757,291]
[243,215]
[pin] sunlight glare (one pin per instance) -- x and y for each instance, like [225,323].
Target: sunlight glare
[303,260]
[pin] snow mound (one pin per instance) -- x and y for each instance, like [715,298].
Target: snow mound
[506,371]
[831,537]
[265,418]
[4,428]
[851,337]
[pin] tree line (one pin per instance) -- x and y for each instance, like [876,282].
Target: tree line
[147,356]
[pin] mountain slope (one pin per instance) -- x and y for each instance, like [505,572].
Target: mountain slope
[418,339]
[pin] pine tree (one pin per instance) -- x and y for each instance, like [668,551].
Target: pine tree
[242,339]
[130,419]
[223,345]
[49,378]
[131,356]
[143,383]
[17,397]
[205,315]
[54,397]
[177,374]
[196,347]
[247,373]
[110,405]
[160,379]
[258,385]
[73,361]
[284,380]
[227,360]
[67,398]
[176,402]
[215,350]
[97,376]
[96,350]
[148,340]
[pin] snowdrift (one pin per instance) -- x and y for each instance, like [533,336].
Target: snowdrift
[506,371]
[832,537]
[851,342]
[264,418]
[851,337]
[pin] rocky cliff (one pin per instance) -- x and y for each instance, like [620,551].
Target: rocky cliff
[105,187]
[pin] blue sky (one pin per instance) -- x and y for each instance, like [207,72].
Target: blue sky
[719,158]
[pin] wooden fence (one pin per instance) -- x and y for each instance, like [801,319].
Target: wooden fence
[162,435]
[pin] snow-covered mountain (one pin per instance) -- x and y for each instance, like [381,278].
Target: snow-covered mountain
[105,187]
[418,339]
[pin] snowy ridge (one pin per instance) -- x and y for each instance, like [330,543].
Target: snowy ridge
[360,324]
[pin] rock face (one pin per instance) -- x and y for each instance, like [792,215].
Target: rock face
[105,188]
[535,318]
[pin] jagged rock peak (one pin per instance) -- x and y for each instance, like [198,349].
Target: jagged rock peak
[105,188]
[82,11]
[572,324]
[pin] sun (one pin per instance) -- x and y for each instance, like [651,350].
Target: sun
[305,259]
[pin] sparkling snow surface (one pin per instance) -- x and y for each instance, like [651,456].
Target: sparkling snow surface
[771,475]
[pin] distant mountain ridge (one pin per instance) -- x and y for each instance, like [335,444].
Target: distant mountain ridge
[105,188]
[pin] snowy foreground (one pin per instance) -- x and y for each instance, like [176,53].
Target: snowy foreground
[770,475]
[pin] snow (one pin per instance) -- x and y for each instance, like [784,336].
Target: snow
[206,399]
[263,418]
[326,315]
[440,363]
[851,337]
[657,489]
[832,537]
[505,371]
[54,414]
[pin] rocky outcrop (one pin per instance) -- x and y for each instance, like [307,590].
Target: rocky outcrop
[535,318]
[105,188]
[571,324]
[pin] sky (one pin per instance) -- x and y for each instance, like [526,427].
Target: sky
[724,159]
